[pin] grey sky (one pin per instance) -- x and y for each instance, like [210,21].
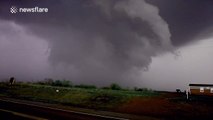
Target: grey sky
[102,41]
[194,65]
[22,54]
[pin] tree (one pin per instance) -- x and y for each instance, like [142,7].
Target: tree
[115,86]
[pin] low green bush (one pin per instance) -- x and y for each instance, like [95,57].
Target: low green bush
[62,83]
[115,86]
[86,86]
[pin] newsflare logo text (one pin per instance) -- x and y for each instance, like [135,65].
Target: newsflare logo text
[36,9]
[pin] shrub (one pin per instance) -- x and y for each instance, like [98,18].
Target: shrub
[115,86]
[142,89]
[86,86]
[138,89]
[106,88]
[62,83]
[46,81]
[66,83]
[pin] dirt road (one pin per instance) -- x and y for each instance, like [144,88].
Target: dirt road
[18,111]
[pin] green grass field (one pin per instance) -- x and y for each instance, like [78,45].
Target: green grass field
[95,98]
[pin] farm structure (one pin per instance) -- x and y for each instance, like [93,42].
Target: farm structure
[201,89]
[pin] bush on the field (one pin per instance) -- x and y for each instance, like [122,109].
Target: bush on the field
[86,86]
[115,86]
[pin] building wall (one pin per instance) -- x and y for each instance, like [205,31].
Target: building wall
[200,90]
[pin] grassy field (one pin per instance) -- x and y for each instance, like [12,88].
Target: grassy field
[95,98]
[163,105]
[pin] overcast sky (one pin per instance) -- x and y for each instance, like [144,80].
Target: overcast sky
[157,44]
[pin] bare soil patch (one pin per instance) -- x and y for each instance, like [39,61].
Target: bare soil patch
[171,106]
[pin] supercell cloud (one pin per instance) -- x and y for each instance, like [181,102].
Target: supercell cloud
[100,41]
[114,41]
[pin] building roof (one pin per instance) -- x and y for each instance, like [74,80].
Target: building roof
[205,85]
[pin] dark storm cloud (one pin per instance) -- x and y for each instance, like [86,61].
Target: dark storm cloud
[95,40]
[186,18]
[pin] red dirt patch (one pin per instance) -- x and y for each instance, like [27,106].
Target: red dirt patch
[167,106]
